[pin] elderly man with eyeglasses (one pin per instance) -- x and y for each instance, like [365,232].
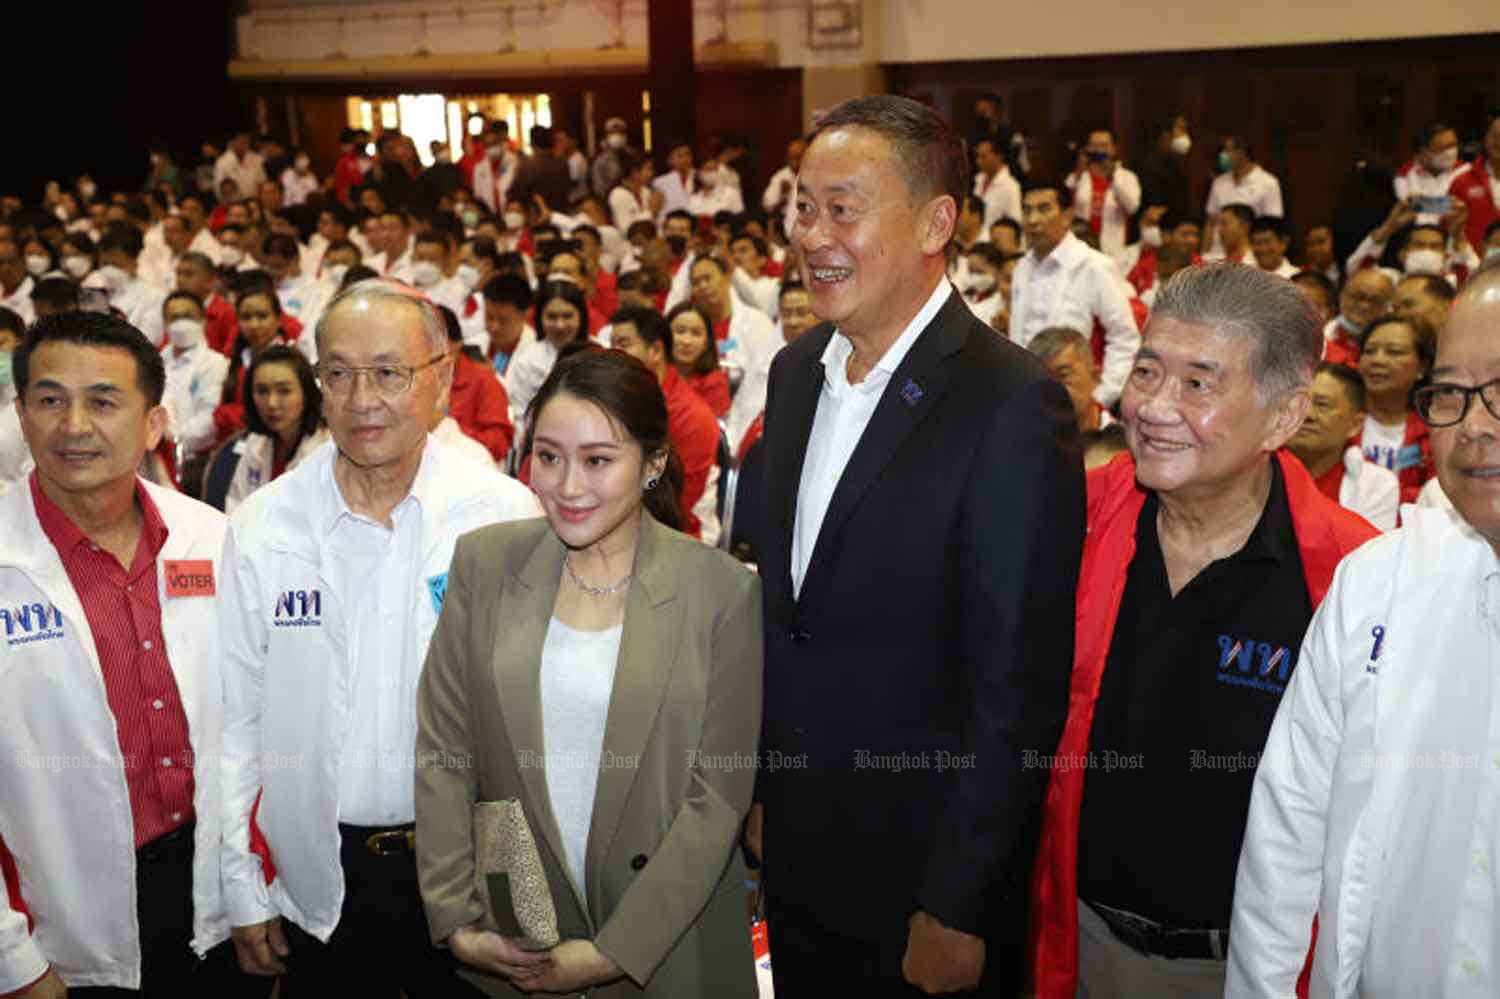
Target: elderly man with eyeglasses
[1376,807]
[334,576]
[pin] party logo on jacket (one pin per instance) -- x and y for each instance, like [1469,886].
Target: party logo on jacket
[299,609]
[34,622]
[1245,662]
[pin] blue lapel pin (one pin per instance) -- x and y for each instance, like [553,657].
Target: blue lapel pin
[911,393]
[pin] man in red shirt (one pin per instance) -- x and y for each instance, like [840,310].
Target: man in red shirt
[348,173]
[477,401]
[107,605]
[195,275]
[645,335]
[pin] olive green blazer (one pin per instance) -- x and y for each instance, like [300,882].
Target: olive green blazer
[665,895]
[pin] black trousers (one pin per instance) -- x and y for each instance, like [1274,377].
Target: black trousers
[164,907]
[380,948]
[811,960]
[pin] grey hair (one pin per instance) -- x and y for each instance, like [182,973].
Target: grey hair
[378,289]
[1235,300]
[1054,340]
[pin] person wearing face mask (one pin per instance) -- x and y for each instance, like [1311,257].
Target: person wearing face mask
[1425,247]
[298,182]
[609,167]
[1161,169]
[137,301]
[1107,194]
[1479,189]
[1434,165]
[496,172]
[477,257]
[1365,297]
[981,284]
[41,258]
[1241,181]
[15,282]
[429,271]
[678,184]
[196,275]
[712,196]
[195,384]
[15,457]
[78,256]
[634,199]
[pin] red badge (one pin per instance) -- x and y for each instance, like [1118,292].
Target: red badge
[189,578]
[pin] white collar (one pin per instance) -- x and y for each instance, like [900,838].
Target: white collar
[836,354]
[1066,252]
[336,508]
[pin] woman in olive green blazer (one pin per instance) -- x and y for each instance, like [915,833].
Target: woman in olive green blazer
[662,912]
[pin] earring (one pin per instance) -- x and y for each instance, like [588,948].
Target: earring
[651,483]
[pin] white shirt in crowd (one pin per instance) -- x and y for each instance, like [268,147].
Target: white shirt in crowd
[1381,441]
[1121,201]
[676,193]
[257,461]
[205,243]
[1076,286]
[762,293]
[321,666]
[1001,194]
[987,308]
[1415,180]
[15,456]
[1369,490]
[1376,804]
[577,677]
[195,385]
[492,183]
[140,303]
[247,173]
[844,411]
[709,201]
[1287,269]
[780,190]
[452,436]
[1260,190]
[19,301]
[529,366]
[296,187]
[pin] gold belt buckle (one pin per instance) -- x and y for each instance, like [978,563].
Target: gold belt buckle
[392,842]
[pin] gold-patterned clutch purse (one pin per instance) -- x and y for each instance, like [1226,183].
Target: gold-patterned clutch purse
[509,877]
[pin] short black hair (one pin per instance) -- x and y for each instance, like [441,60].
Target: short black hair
[433,238]
[721,265]
[312,395]
[186,296]
[121,238]
[281,245]
[356,274]
[760,245]
[1354,386]
[927,147]
[1273,224]
[1063,191]
[1244,213]
[651,326]
[1321,281]
[990,253]
[484,248]
[450,321]
[11,322]
[645,227]
[1009,223]
[1434,285]
[57,293]
[503,288]
[973,203]
[678,213]
[94,329]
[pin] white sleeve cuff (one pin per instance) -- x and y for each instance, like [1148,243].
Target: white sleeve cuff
[248,902]
[21,965]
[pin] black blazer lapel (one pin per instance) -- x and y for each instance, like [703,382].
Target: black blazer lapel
[911,393]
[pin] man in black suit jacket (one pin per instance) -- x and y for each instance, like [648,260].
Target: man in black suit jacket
[924,519]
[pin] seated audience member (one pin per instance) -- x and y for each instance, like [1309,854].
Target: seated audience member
[1066,355]
[1100,446]
[1233,232]
[1321,291]
[15,458]
[1372,804]
[258,316]
[646,336]
[15,282]
[140,304]
[561,316]
[981,287]
[633,291]
[1426,297]
[476,260]
[1268,242]
[195,385]
[431,259]
[797,317]
[1182,231]
[968,232]
[78,256]
[751,278]
[1434,164]
[1323,445]
[1437,247]
[476,399]
[1204,545]
[1478,189]
[283,421]
[1061,282]
[713,195]
[997,189]
[1365,297]
[1397,355]
[53,295]
[1241,182]
[197,276]
[696,358]
[507,298]
[299,295]
[445,430]
[744,333]
[1006,236]
[1318,255]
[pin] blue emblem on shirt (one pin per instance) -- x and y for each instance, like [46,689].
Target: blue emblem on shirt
[911,393]
[437,589]
[1258,665]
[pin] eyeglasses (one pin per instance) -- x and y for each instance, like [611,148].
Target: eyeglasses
[386,379]
[1444,404]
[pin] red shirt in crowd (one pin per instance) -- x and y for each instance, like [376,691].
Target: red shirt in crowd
[1473,188]
[714,390]
[606,294]
[220,325]
[480,407]
[346,176]
[695,437]
[123,609]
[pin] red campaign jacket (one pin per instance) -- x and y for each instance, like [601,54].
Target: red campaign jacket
[1325,531]
[1473,188]
[478,404]
[1414,462]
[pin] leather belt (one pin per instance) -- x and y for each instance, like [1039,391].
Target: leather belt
[381,841]
[1149,937]
[175,845]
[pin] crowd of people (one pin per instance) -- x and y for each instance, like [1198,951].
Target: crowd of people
[344,504]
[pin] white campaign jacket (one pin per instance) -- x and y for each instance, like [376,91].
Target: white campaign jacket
[64,805]
[287,671]
[1337,824]
[1369,490]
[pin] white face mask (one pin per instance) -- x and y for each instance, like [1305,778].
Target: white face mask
[1181,144]
[1445,160]
[425,274]
[514,221]
[708,178]
[468,276]
[76,265]
[1424,262]
[615,140]
[37,265]
[979,284]
[185,333]
[1151,235]
[336,273]
[229,256]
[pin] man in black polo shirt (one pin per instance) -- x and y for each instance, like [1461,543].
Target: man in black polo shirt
[1207,551]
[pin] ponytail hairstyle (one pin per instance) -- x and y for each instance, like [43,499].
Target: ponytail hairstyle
[629,394]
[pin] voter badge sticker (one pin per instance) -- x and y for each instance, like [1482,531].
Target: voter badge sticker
[437,589]
[189,577]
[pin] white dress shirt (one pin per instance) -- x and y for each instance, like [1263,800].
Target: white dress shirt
[297,187]
[19,301]
[246,173]
[1121,201]
[710,201]
[195,386]
[141,304]
[1369,490]
[676,192]
[626,209]
[844,411]
[448,432]
[529,366]
[780,190]
[1377,800]
[1001,194]
[15,456]
[1260,190]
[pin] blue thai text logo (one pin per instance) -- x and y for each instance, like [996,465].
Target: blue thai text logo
[1245,662]
[299,609]
[36,622]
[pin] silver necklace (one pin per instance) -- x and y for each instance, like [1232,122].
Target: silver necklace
[594,591]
